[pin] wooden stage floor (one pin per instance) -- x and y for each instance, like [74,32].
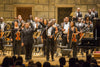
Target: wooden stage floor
[43,59]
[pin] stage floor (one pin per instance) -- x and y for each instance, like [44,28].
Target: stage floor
[42,60]
[38,57]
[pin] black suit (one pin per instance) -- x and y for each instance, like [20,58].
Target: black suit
[64,36]
[50,44]
[96,14]
[78,14]
[91,16]
[43,34]
[27,39]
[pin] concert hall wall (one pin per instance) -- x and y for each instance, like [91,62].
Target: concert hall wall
[45,8]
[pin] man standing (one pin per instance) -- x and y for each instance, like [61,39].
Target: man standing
[27,40]
[20,20]
[78,14]
[2,27]
[49,32]
[30,19]
[79,24]
[90,15]
[95,13]
[65,26]
[36,21]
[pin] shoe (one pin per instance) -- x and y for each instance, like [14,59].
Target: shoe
[4,54]
[27,60]
[47,59]
[53,60]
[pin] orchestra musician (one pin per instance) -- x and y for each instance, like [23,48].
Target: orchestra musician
[43,35]
[16,38]
[77,14]
[37,33]
[50,40]
[79,24]
[20,20]
[36,22]
[95,13]
[72,38]
[2,29]
[30,19]
[27,39]
[88,25]
[65,26]
[49,33]
[90,15]
[55,25]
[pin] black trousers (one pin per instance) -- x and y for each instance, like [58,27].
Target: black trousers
[28,50]
[74,49]
[64,39]
[44,47]
[17,47]
[50,48]
[1,44]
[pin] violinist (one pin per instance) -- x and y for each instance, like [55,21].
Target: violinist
[72,38]
[2,29]
[16,38]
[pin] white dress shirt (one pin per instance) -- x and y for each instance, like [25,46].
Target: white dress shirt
[66,26]
[49,31]
[2,26]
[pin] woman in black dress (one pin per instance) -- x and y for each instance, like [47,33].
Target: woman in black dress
[16,38]
[72,38]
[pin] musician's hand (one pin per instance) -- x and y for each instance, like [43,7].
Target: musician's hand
[56,32]
[36,25]
[11,39]
[74,17]
[41,40]
[50,36]
[22,44]
[67,40]
[63,29]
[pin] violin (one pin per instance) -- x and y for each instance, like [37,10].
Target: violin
[18,35]
[1,33]
[74,39]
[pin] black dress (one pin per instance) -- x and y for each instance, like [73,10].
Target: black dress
[16,43]
[71,43]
